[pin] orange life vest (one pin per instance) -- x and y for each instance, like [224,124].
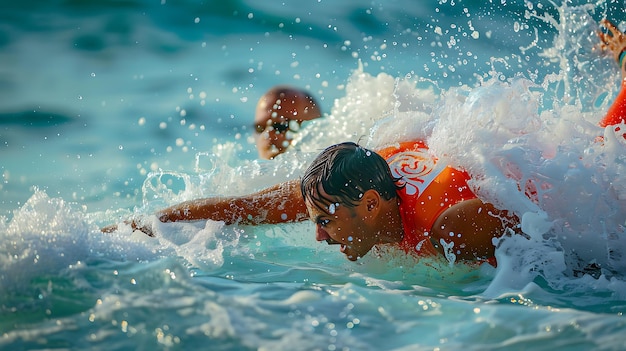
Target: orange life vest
[617,112]
[428,189]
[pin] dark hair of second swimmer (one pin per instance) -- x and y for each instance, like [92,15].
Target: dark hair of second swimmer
[344,172]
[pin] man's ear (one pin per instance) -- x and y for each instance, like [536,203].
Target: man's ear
[371,203]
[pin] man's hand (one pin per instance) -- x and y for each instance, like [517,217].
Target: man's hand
[135,224]
[613,40]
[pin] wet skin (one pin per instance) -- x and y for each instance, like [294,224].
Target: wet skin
[359,227]
[342,226]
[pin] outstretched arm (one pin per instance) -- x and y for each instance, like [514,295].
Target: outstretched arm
[280,203]
[277,204]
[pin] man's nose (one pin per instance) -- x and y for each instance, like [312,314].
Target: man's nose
[320,234]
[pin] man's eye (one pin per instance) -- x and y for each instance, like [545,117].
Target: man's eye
[281,127]
[323,222]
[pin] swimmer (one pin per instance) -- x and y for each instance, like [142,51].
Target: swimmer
[359,199]
[279,113]
[400,195]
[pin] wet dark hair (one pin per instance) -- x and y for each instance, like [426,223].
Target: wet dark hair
[345,172]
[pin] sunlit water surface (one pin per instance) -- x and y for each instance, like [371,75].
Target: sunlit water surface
[115,109]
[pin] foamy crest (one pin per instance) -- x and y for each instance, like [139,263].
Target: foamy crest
[547,167]
[47,235]
[368,101]
[201,244]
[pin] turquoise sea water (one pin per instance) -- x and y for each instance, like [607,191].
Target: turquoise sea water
[116,108]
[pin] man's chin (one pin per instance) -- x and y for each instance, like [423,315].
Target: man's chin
[352,258]
[350,255]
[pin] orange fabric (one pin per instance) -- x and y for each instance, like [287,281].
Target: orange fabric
[429,189]
[617,112]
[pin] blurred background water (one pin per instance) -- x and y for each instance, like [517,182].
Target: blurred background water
[98,96]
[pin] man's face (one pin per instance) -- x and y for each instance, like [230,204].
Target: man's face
[276,119]
[278,116]
[274,137]
[344,226]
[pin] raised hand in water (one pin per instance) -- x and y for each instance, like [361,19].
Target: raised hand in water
[614,40]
